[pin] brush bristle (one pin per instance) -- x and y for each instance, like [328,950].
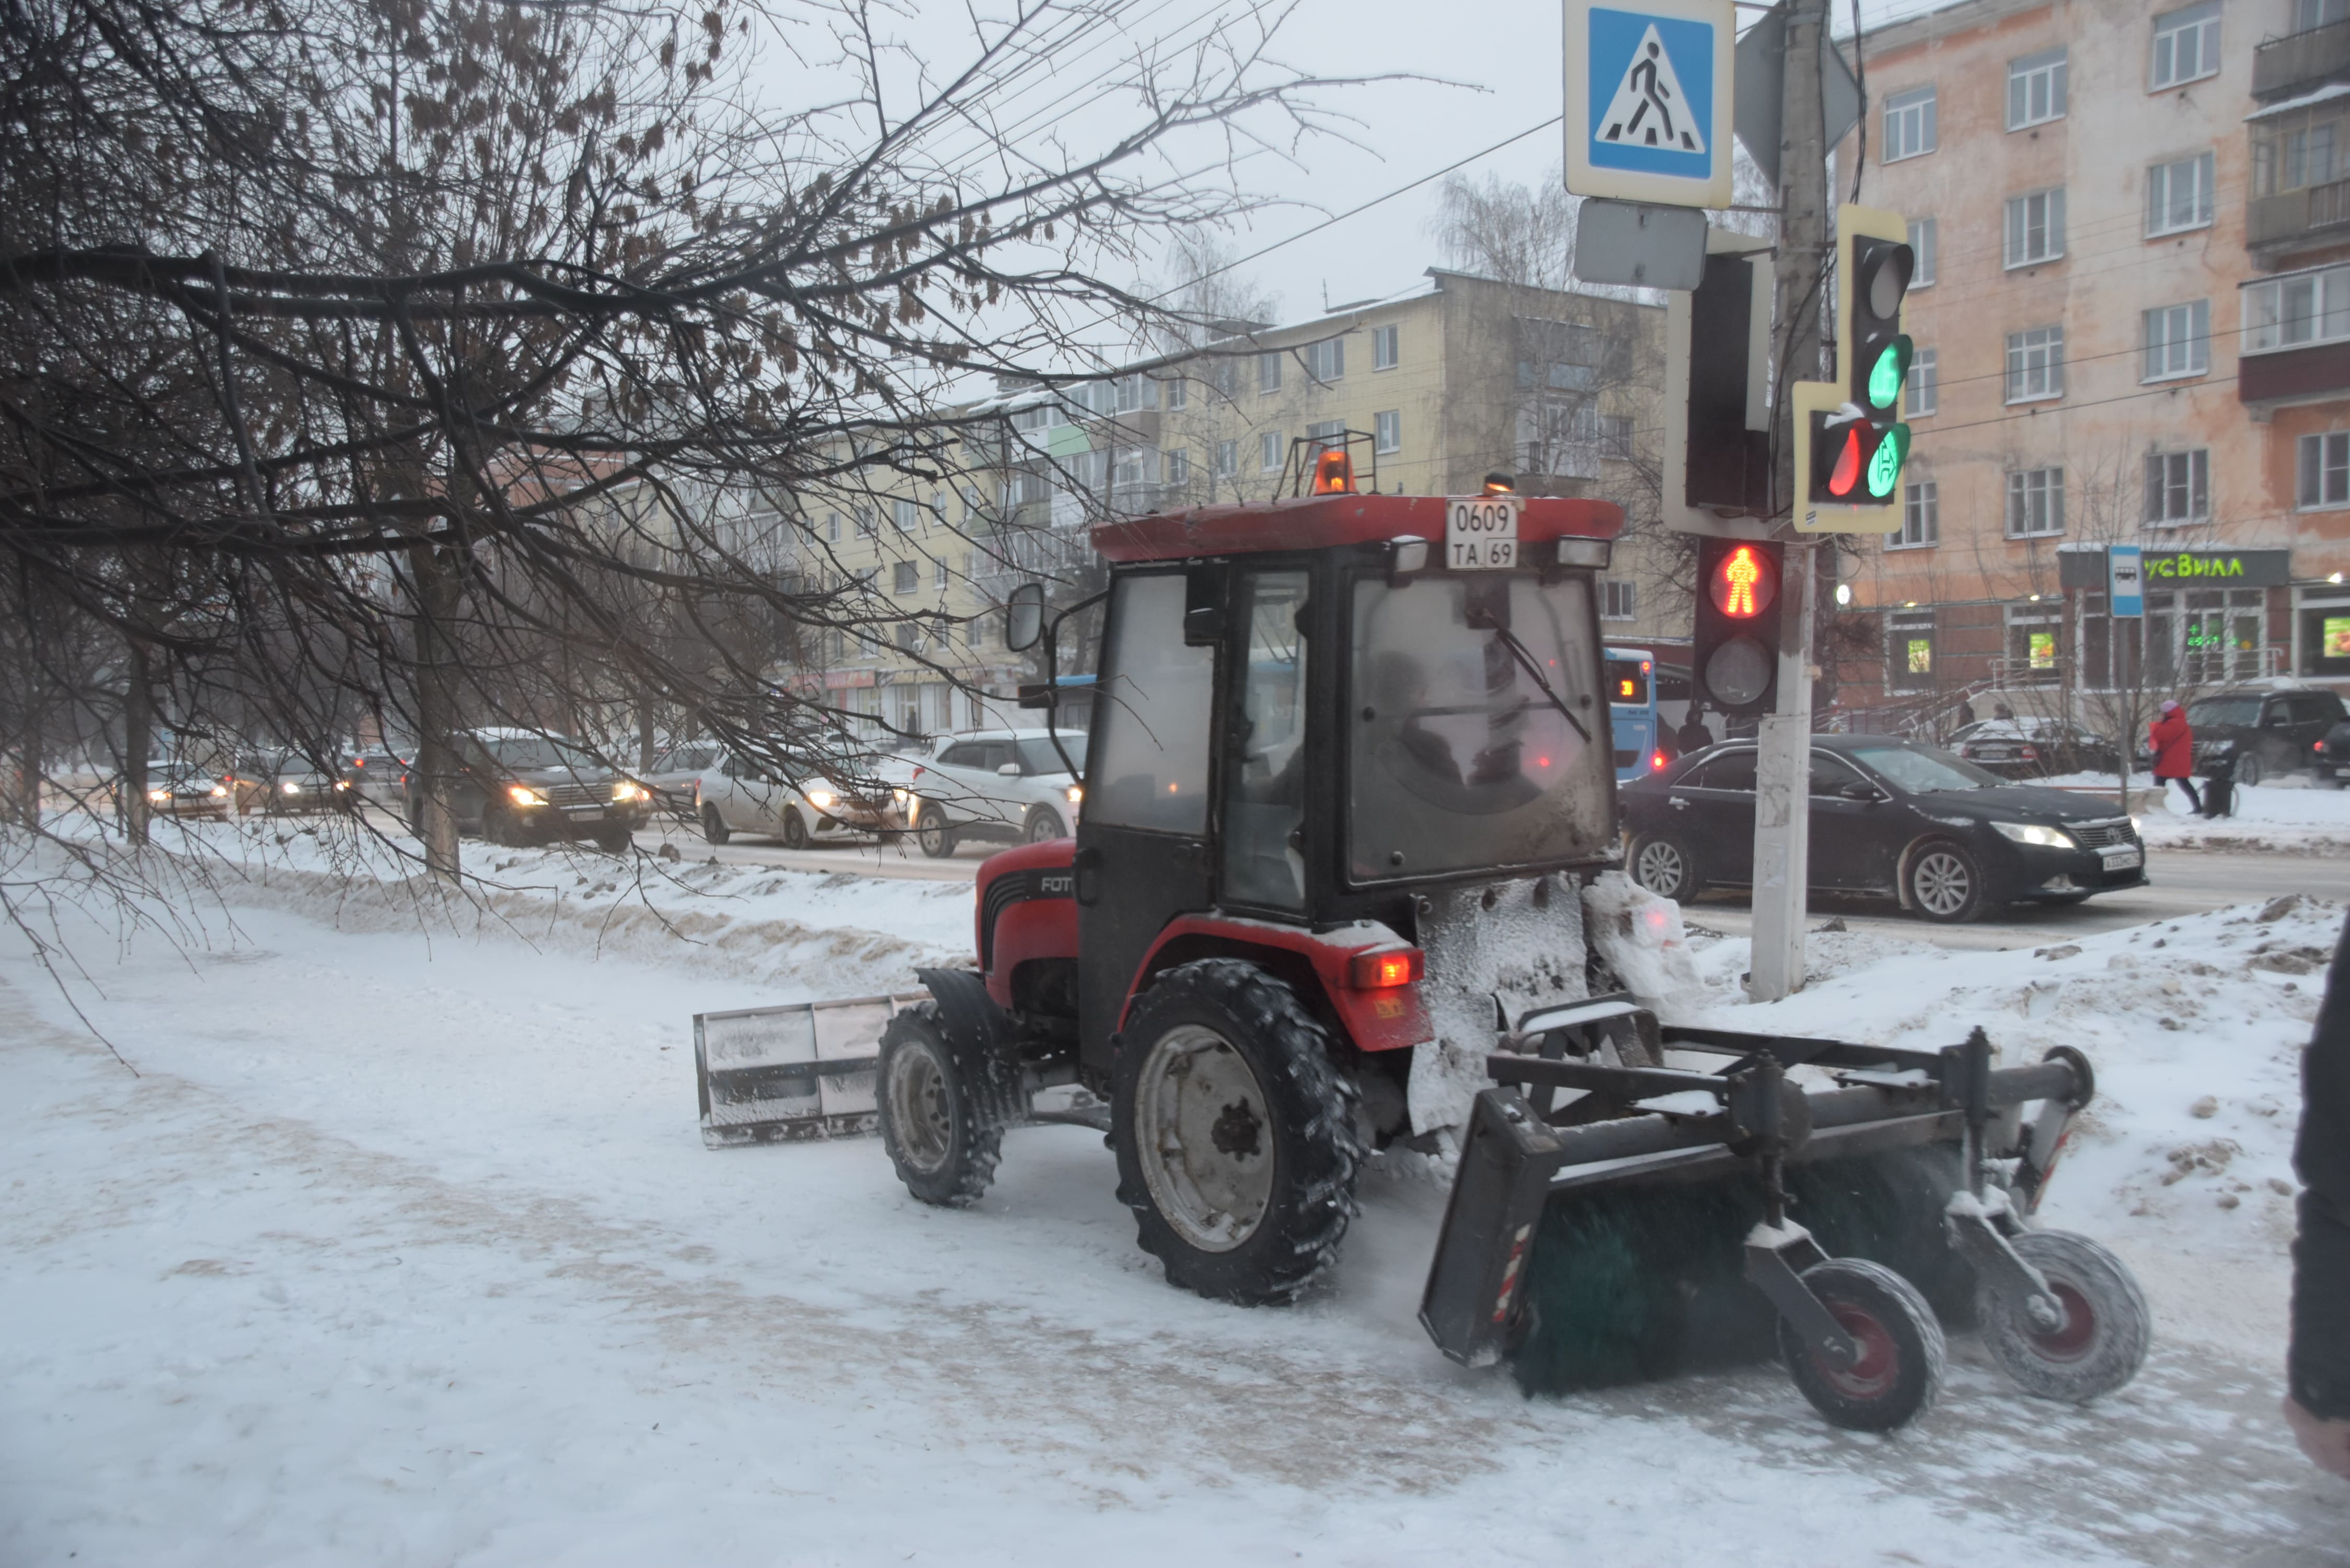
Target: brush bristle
[1633,1283]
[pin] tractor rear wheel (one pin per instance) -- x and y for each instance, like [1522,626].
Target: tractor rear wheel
[943,1108]
[1235,1133]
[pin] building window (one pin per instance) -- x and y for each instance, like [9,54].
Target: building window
[2035,364]
[1921,245]
[2325,469]
[2308,15]
[939,574]
[1921,517]
[2178,487]
[1228,458]
[2035,227]
[906,515]
[1387,430]
[2178,195]
[1909,647]
[1919,393]
[832,527]
[2035,89]
[2187,44]
[1132,466]
[905,577]
[1268,452]
[1383,348]
[1619,599]
[1909,125]
[1326,360]
[1176,465]
[907,635]
[2309,158]
[1135,393]
[865,522]
[2035,502]
[1179,393]
[2178,339]
[2290,312]
[1268,372]
[1326,434]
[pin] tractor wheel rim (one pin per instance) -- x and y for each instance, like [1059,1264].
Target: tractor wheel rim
[1942,883]
[1660,867]
[1204,1138]
[1879,1365]
[918,1109]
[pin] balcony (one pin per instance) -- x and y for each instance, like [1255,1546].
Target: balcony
[2293,375]
[2276,226]
[2299,60]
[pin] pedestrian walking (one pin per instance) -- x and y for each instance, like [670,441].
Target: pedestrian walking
[2174,752]
[1965,713]
[2317,1360]
[1694,736]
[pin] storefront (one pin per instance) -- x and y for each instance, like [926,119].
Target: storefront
[2321,639]
[2210,618]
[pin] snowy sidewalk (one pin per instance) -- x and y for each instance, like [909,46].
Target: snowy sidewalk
[408,1251]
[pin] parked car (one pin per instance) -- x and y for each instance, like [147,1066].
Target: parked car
[179,789]
[376,774]
[1889,816]
[517,787]
[285,783]
[738,795]
[671,778]
[997,784]
[2034,747]
[2265,729]
[2331,757]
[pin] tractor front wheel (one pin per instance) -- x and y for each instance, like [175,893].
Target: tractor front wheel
[1235,1133]
[943,1108]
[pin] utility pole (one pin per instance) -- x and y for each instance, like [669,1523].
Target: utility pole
[1783,768]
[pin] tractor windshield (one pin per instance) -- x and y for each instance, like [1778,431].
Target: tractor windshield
[1472,727]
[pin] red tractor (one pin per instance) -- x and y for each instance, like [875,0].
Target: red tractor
[1328,732]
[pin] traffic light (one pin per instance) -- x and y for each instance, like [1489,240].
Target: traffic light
[1874,265]
[1736,657]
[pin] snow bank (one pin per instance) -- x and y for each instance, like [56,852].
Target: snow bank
[2291,814]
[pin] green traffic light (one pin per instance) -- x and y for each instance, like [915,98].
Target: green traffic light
[1885,465]
[1885,378]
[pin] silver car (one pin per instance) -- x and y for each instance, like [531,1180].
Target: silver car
[736,795]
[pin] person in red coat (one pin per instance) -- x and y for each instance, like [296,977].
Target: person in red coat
[2174,752]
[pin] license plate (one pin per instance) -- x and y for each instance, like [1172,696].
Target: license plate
[583,813]
[2122,859]
[1480,534]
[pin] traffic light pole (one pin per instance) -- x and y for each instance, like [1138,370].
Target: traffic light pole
[1782,762]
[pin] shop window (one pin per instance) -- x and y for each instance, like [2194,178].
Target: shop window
[1909,645]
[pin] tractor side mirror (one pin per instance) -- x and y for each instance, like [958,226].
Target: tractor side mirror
[1023,616]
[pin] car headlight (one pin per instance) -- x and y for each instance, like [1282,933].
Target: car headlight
[523,794]
[1076,792]
[289,786]
[220,789]
[158,794]
[2029,832]
[821,799]
[624,790]
[898,797]
[342,784]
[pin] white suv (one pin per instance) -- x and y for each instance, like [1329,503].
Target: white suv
[996,784]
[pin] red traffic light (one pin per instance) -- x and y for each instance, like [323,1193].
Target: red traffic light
[1745,581]
[1846,473]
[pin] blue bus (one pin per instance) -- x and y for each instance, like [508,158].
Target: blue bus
[1632,715]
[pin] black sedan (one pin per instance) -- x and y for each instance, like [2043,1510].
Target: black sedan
[1888,816]
[522,788]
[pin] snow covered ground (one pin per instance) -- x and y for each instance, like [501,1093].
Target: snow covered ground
[2291,814]
[402,1248]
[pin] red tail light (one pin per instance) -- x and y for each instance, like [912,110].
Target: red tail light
[2030,755]
[1385,968]
[1657,762]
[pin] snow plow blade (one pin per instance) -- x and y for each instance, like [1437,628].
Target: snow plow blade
[1666,1219]
[769,1075]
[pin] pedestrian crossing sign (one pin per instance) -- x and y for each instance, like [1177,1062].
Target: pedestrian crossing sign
[1649,110]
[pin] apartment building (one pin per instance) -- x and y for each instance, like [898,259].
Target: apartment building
[2131,314]
[1430,390]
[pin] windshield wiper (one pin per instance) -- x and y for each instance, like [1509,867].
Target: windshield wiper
[1526,662]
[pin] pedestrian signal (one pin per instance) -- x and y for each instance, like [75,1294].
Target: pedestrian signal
[1735,655]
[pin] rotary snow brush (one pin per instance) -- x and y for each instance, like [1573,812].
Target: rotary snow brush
[1666,1219]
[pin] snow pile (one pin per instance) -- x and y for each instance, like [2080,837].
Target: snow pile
[1640,936]
[2195,1027]
[2289,814]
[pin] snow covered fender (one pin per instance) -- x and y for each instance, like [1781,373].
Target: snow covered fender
[1376,1018]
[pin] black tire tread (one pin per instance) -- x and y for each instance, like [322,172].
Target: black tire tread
[1327,1151]
[714,827]
[987,1092]
[1899,1304]
[2121,1308]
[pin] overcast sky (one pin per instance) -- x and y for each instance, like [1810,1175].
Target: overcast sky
[1506,54]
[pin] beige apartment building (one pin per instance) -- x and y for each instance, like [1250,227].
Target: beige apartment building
[2131,314]
[1430,391]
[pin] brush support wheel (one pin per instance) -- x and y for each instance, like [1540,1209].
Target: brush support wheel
[1899,1371]
[2102,1341]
